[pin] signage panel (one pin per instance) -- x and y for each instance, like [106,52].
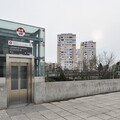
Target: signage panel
[15,47]
[23,44]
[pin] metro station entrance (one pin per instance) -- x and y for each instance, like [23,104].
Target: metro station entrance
[19,81]
[22,61]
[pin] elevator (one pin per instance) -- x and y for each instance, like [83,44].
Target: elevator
[19,83]
[20,78]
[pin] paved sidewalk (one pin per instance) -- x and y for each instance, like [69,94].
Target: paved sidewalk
[98,107]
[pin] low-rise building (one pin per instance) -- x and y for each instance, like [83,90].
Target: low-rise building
[50,66]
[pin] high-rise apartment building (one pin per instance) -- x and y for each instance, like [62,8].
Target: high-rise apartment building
[88,55]
[66,49]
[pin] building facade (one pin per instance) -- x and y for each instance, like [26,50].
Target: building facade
[49,67]
[77,60]
[66,50]
[22,60]
[87,55]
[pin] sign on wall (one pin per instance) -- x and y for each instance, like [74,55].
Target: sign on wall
[20,31]
[23,48]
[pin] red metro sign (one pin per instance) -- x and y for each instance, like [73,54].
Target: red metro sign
[20,31]
[10,43]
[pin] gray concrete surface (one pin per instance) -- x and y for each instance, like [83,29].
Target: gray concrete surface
[39,90]
[98,107]
[72,89]
[54,91]
[3,93]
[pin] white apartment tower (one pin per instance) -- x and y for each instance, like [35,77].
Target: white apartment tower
[66,50]
[88,55]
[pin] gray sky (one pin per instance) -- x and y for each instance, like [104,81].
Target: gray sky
[97,20]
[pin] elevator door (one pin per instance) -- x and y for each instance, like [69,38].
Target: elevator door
[19,83]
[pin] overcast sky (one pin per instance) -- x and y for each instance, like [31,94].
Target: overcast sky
[97,20]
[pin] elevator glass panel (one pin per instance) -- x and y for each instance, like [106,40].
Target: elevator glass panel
[23,71]
[14,77]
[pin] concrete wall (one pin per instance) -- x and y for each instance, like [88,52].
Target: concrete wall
[71,89]
[52,91]
[3,93]
[39,90]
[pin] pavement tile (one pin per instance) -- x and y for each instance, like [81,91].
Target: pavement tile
[101,110]
[35,116]
[19,117]
[82,108]
[50,115]
[104,116]
[60,119]
[74,111]
[63,113]
[5,118]
[3,115]
[51,106]
[83,115]
[46,112]
[115,119]
[98,107]
[117,110]
[72,117]
[25,109]
[57,110]
[113,114]
[67,107]
[93,118]
[116,105]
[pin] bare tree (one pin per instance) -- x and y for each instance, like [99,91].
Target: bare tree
[99,65]
[92,63]
[104,61]
[85,65]
[106,58]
